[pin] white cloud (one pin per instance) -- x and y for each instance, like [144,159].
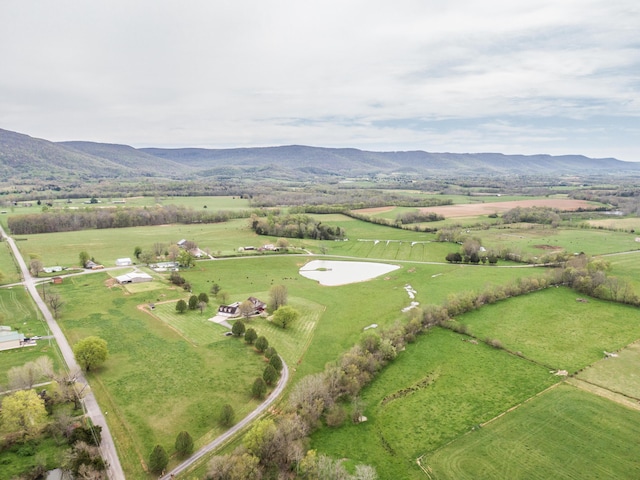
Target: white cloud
[375,74]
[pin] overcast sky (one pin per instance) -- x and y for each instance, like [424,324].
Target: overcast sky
[543,76]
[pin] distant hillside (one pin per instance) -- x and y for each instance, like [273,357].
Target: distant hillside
[24,157]
[352,162]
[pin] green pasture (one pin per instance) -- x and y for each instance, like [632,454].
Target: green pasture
[564,433]
[107,245]
[619,374]
[155,384]
[542,239]
[9,272]
[552,328]
[615,223]
[438,389]
[626,266]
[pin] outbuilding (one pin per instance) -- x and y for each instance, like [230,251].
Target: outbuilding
[10,339]
[123,262]
[134,277]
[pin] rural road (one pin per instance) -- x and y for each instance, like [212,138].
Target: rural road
[107,447]
[236,428]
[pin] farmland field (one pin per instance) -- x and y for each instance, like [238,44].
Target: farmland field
[552,328]
[564,433]
[466,384]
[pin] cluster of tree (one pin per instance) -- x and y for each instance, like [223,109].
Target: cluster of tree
[159,458]
[386,222]
[326,197]
[542,215]
[179,281]
[418,216]
[31,417]
[294,226]
[90,218]
[195,302]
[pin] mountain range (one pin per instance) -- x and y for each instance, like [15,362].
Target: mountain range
[26,158]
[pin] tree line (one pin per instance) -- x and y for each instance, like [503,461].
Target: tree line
[98,218]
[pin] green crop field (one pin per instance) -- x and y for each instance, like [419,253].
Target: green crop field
[552,328]
[461,385]
[564,433]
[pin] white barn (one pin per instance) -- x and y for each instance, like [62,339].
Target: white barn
[134,277]
[123,262]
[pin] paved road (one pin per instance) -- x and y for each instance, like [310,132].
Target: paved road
[107,446]
[236,428]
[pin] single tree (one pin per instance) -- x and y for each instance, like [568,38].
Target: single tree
[223,297]
[158,249]
[91,352]
[193,302]
[35,267]
[259,388]
[146,257]
[227,416]
[215,289]
[250,336]
[185,259]
[55,304]
[23,412]
[278,295]
[246,309]
[270,375]
[158,459]
[202,306]
[184,444]
[285,316]
[262,343]
[84,258]
[181,306]
[203,297]
[270,352]
[137,251]
[238,328]
[276,362]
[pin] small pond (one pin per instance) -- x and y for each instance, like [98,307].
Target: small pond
[332,273]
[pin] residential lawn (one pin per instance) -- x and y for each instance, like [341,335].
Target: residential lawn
[16,461]
[467,384]
[565,433]
[619,374]
[155,384]
[17,311]
[9,272]
[552,328]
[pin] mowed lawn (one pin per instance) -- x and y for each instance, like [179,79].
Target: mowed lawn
[435,391]
[155,384]
[565,433]
[552,328]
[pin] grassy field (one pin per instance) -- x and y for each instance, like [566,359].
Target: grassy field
[552,328]
[618,374]
[627,267]
[466,385]
[9,272]
[155,383]
[564,433]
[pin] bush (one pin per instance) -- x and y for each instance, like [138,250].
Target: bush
[336,416]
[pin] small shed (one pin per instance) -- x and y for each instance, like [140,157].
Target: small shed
[123,262]
[57,280]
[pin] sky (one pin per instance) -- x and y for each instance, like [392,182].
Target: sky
[516,77]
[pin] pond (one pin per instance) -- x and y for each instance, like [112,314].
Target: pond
[333,273]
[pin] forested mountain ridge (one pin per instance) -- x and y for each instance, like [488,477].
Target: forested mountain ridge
[24,157]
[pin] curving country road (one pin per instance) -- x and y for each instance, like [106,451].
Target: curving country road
[236,428]
[107,447]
